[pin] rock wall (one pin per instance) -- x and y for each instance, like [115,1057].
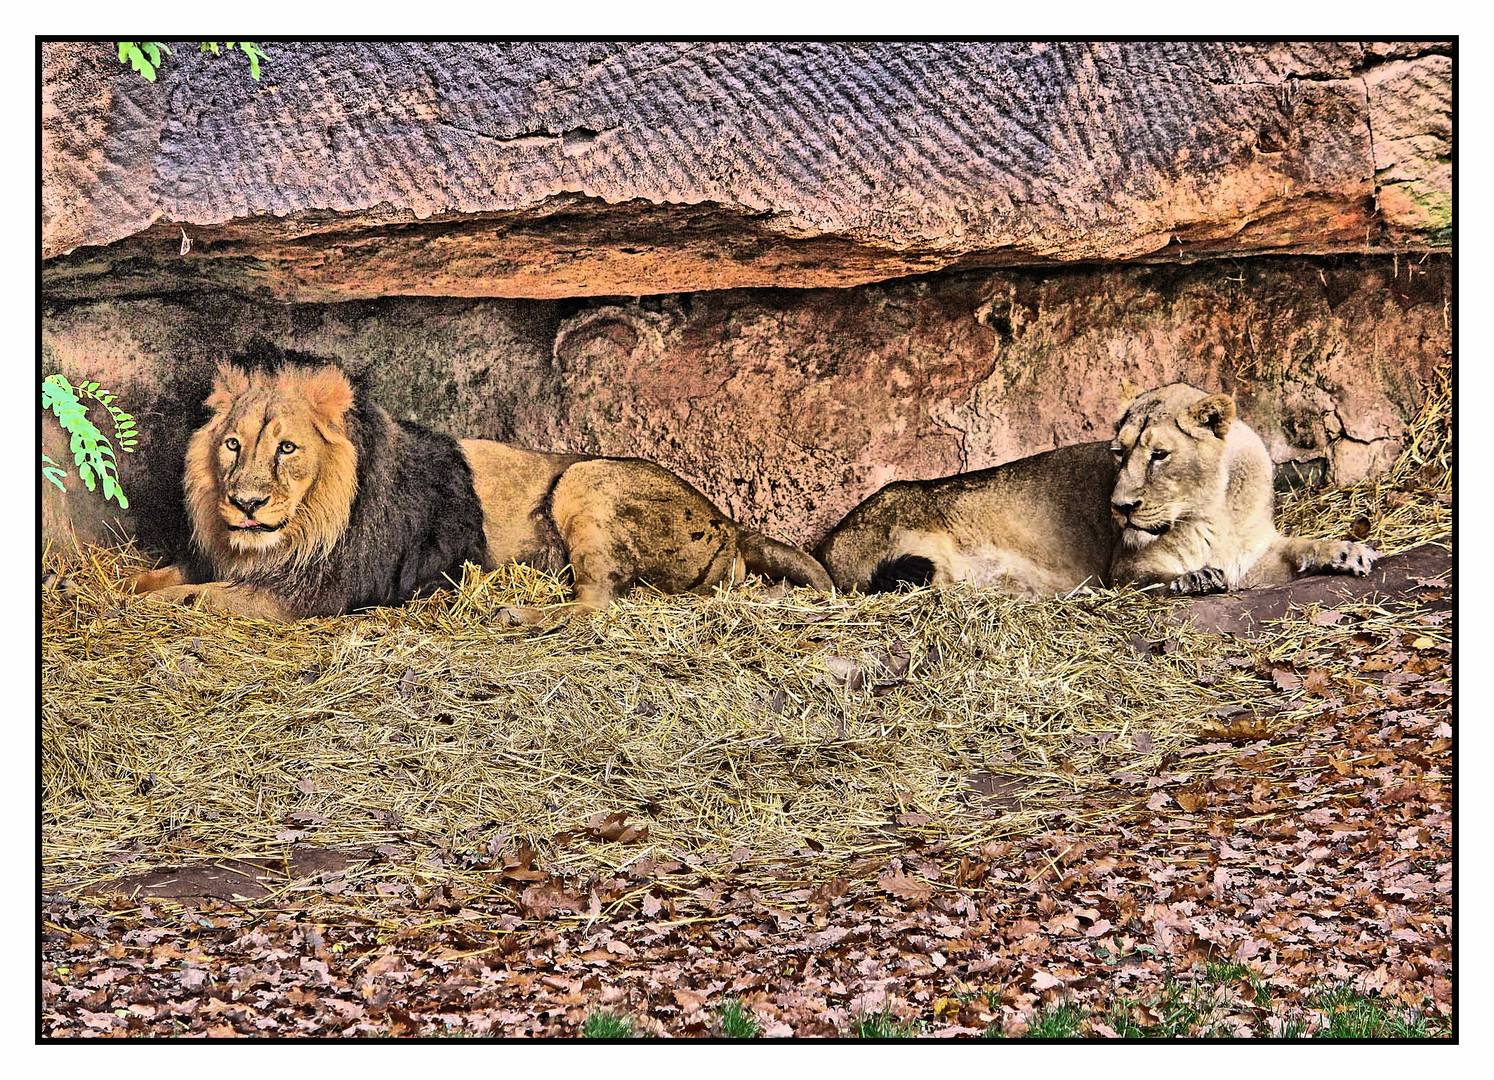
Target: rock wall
[789,406]
[354,170]
[792,271]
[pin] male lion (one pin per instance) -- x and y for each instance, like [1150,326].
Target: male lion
[305,498]
[1181,496]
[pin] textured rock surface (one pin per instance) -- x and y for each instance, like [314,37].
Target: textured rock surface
[1406,576]
[787,407]
[356,170]
[1411,133]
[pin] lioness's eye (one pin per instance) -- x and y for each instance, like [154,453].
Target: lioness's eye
[287,447]
[232,444]
[1160,455]
[1118,452]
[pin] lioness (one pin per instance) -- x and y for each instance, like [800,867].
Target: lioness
[305,498]
[1181,496]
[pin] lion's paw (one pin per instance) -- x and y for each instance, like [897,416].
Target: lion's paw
[520,616]
[1201,582]
[1343,557]
[173,594]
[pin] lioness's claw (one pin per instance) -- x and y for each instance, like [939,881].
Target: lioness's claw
[1201,582]
[1353,558]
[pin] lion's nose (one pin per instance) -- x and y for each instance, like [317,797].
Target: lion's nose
[1125,509]
[248,503]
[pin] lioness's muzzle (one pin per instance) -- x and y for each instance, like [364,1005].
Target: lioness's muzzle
[1155,530]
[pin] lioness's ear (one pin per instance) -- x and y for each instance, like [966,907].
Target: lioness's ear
[227,385]
[329,393]
[1214,413]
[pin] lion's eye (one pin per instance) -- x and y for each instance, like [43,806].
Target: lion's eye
[1160,455]
[232,444]
[287,447]
[1118,452]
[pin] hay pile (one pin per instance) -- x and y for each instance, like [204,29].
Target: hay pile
[739,726]
[1409,506]
[740,720]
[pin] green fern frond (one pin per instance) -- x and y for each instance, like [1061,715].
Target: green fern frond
[93,453]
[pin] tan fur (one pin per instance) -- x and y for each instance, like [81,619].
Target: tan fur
[225,598]
[617,522]
[1181,497]
[156,580]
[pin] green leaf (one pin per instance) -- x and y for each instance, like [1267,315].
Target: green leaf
[141,64]
[124,50]
[53,472]
[152,50]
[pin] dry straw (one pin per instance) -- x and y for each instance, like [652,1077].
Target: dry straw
[1410,505]
[754,724]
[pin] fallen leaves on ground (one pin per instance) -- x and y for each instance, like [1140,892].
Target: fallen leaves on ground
[1308,844]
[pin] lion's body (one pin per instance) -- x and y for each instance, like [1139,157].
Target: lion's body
[305,498]
[1027,527]
[1197,518]
[617,522]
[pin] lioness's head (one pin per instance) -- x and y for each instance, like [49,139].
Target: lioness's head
[1169,454]
[271,477]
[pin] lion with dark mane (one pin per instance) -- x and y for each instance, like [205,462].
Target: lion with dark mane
[306,498]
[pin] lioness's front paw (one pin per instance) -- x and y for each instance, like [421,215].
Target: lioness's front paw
[1201,582]
[1342,557]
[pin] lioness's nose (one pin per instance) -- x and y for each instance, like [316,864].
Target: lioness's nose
[1125,509]
[248,503]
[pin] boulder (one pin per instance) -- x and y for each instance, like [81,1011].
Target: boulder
[354,170]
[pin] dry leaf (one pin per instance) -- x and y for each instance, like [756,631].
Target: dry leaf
[906,888]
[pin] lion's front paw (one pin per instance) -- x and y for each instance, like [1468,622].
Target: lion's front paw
[225,599]
[1342,557]
[520,616]
[155,580]
[1201,582]
[173,594]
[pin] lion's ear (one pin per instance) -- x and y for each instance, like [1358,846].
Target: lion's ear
[228,384]
[330,394]
[1213,414]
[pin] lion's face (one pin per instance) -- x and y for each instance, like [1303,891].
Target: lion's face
[271,476]
[1169,453]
